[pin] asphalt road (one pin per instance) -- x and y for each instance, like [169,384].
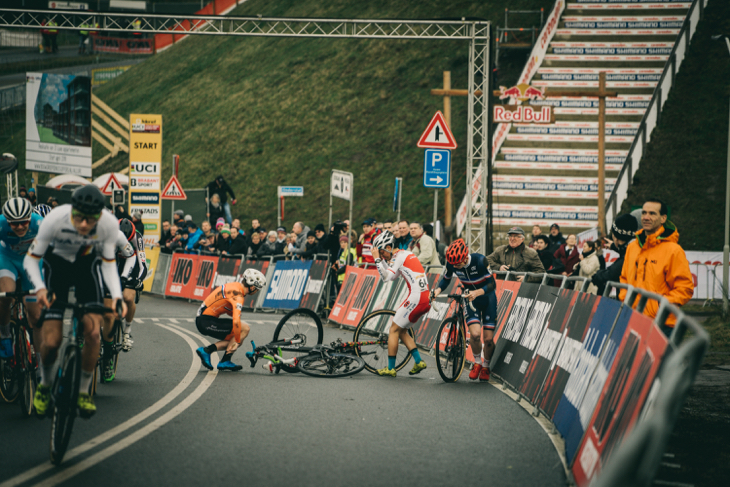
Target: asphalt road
[167,421]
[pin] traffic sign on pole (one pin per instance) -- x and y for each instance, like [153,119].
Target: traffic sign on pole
[111,184]
[173,190]
[437,169]
[437,134]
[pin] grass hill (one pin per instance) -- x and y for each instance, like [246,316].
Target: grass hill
[265,111]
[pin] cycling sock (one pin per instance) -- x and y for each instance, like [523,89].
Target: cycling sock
[227,357]
[85,381]
[5,331]
[46,374]
[127,326]
[391,362]
[211,348]
[416,355]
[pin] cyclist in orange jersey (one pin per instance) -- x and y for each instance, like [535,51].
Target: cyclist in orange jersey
[226,299]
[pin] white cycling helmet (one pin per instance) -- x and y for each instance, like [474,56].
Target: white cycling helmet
[383,240]
[253,278]
[17,210]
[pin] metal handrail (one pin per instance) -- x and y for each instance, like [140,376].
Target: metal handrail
[613,205]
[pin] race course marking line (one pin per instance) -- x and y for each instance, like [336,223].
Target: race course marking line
[94,442]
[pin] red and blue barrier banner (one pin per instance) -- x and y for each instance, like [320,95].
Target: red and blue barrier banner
[595,359]
[180,282]
[287,284]
[262,266]
[550,342]
[363,292]
[502,363]
[315,285]
[584,308]
[227,270]
[627,385]
[205,270]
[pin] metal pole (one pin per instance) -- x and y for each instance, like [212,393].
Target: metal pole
[352,197]
[278,210]
[400,192]
[435,208]
[447,118]
[601,154]
[726,247]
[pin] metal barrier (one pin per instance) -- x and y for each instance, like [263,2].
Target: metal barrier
[12,97]
[161,272]
[652,115]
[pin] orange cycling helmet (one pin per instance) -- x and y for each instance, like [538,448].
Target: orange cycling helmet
[457,252]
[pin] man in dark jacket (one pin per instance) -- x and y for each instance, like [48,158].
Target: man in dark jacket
[221,188]
[516,256]
[556,238]
[623,232]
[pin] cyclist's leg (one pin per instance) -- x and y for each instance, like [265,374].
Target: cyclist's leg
[7,285]
[489,325]
[475,341]
[90,353]
[107,325]
[129,295]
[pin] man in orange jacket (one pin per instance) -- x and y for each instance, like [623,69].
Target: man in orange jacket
[655,262]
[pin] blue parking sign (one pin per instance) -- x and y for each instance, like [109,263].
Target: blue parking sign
[437,169]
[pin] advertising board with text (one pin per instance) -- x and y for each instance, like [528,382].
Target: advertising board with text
[145,171]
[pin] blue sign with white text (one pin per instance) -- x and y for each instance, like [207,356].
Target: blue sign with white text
[287,285]
[437,168]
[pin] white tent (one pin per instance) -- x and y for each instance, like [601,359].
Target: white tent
[66,180]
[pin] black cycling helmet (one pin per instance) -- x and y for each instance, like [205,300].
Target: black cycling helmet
[88,200]
[127,228]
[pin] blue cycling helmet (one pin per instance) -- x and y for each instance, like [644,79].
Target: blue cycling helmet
[42,210]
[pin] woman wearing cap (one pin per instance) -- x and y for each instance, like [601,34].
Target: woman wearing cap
[270,247]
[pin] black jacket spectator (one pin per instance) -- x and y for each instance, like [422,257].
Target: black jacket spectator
[215,213]
[556,238]
[221,188]
[269,249]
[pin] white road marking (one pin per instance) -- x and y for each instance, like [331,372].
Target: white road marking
[94,442]
[173,320]
[138,320]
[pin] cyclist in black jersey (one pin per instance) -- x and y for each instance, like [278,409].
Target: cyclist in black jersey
[479,284]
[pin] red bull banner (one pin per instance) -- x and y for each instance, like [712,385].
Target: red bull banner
[315,285]
[249,302]
[180,281]
[627,385]
[523,114]
[204,274]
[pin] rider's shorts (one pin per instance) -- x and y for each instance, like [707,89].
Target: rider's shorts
[13,268]
[484,312]
[211,326]
[415,306]
[84,275]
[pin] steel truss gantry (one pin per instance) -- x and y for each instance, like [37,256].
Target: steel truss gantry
[477,33]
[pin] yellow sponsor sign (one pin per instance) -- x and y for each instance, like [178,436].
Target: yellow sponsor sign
[153,256]
[145,138]
[145,163]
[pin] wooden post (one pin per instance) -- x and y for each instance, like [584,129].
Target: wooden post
[448,204]
[601,94]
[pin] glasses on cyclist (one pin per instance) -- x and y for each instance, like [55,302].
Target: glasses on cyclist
[80,217]
[24,223]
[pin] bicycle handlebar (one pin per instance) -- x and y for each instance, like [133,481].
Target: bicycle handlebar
[462,297]
[17,294]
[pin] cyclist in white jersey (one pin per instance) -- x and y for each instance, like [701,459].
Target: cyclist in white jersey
[402,263]
[77,243]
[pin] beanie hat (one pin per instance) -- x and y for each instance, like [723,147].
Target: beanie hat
[225,229]
[311,234]
[220,222]
[319,227]
[344,238]
[179,212]
[624,227]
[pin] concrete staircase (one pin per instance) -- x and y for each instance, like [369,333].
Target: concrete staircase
[546,174]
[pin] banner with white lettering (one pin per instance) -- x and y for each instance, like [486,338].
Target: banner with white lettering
[565,359]
[576,406]
[524,328]
[226,271]
[426,328]
[204,272]
[287,285]
[250,301]
[315,285]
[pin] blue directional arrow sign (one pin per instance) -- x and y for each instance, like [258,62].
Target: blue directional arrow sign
[437,169]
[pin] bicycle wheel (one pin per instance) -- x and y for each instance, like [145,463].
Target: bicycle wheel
[331,365]
[302,323]
[66,393]
[372,337]
[29,380]
[451,350]
[10,383]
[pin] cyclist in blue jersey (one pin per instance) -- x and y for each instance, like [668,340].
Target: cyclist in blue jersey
[18,227]
[479,285]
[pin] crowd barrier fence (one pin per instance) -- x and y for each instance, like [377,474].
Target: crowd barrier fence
[601,371]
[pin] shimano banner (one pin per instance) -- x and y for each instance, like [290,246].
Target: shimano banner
[287,284]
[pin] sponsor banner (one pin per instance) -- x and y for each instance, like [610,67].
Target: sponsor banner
[204,273]
[571,160]
[669,24]
[150,183]
[546,215]
[145,141]
[588,103]
[315,285]
[554,165]
[145,198]
[287,285]
[144,169]
[594,361]
[510,333]
[574,131]
[524,327]
[541,46]
[348,285]
[58,124]
[614,51]
[362,293]
[564,361]
[567,138]
[520,222]
[506,296]
[381,296]
[522,114]
[127,46]
[103,75]
[513,182]
[250,302]
[226,271]
[150,213]
[152,256]
[625,390]
[180,280]
[546,194]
